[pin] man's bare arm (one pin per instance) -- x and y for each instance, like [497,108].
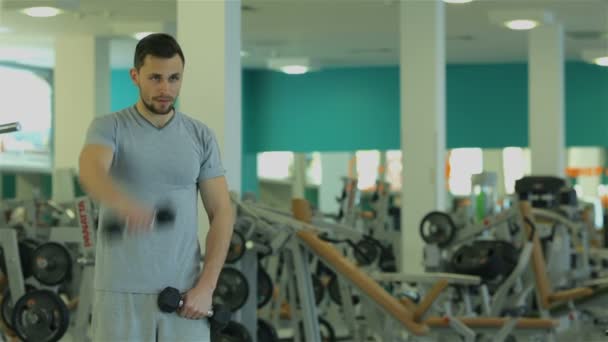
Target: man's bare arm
[94,166]
[216,199]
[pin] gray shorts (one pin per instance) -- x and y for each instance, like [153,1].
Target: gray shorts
[135,317]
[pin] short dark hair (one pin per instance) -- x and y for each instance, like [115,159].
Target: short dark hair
[158,45]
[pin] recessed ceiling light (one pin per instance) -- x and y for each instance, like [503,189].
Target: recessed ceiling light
[4,29]
[521,24]
[42,12]
[603,61]
[457,1]
[142,35]
[294,69]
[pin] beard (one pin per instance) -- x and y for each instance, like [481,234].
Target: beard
[156,110]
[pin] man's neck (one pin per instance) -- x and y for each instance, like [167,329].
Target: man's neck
[155,119]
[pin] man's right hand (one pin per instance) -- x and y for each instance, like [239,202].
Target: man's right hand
[137,218]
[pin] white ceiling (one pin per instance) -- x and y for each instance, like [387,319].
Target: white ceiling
[334,33]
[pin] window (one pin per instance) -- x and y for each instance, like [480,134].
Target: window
[26,98]
[393,169]
[516,164]
[275,165]
[314,169]
[464,162]
[367,169]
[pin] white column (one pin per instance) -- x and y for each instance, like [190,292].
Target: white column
[209,33]
[492,162]
[298,189]
[546,91]
[82,91]
[422,121]
[334,166]
[27,186]
[585,158]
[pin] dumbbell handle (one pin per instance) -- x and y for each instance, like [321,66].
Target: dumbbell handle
[10,127]
[160,214]
[181,303]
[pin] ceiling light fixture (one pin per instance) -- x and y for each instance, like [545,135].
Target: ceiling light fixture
[4,29]
[596,56]
[601,61]
[291,66]
[520,20]
[42,12]
[521,24]
[294,69]
[141,35]
[457,1]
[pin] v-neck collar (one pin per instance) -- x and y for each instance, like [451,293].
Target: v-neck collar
[145,121]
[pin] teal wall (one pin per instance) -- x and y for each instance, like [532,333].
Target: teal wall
[249,172]
[332,110]
[124,92]
[358,108]
[350,109]
[487,105]
[586,105]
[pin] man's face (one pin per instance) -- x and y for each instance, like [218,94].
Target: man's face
[159,81]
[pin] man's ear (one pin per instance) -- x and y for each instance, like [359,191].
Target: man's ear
[134,76]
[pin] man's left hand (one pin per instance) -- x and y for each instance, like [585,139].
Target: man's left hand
[197,303]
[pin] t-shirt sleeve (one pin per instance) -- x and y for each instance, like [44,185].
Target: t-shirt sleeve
[211,165]
[102,131]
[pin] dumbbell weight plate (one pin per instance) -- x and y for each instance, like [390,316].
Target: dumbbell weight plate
[6,308]
[265,287]
[41,316]
[237,247]
[164,216]
[437,228]
[234,332]
[318,289]
[232,289]
[328,333]
[334,292]
[51,263]
[366,252]
[266,332]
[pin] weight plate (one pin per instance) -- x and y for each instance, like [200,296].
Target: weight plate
[387,261]
[326,330]
[437,228]
[318,288]
[265,287]
[51,263]
[40,316]
[366,252]
[237,247]
[6,308]
[234,332]
[266,332]
[26,249]
[334,292]
[232,289]
[328,333]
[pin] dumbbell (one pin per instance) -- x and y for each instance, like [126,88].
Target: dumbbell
[162,216]
[170,300]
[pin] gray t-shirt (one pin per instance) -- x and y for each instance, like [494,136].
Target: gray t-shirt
[156,166]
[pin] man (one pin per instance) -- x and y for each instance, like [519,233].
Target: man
[134,161]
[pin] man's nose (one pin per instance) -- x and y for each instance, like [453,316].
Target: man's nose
[163,86]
